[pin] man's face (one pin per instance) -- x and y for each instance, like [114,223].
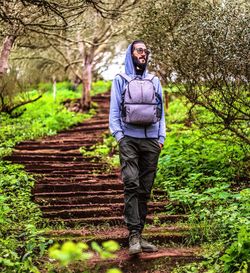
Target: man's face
[140,54]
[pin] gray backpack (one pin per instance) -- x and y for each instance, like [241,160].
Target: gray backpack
[141,104]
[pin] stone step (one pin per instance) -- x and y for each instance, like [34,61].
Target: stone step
[158,235]
[115,206]
[95,135]
[75,136]
[62,172]
[62,166]
[44,158]
[74,175]
[61,146]
[93,178]
[86,194]
[92,199]
[62,140]
[46,153]
[102,211]
[87,128]
[92,210]
[84,186]
[84,197]
[158,219]
[163,261]
[72,164]
[94,121]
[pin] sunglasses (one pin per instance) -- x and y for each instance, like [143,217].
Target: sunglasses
[141,50]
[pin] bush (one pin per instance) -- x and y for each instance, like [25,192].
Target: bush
[191,159]
[21,241]
[21,224]
[208,178]
[40,118]
[203,45]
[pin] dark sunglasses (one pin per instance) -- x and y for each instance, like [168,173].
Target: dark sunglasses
[141,50]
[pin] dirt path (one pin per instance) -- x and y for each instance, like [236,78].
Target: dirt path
[88,200]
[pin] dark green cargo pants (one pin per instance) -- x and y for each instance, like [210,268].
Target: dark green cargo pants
[138,158]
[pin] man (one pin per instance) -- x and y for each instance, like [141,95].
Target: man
[139,146]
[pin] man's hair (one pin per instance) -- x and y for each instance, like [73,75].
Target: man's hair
[136,42]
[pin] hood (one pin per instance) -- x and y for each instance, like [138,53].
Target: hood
[129,66]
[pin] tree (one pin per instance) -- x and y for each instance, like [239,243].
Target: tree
[24,17]
[204,46]
[80,50]
[24,22]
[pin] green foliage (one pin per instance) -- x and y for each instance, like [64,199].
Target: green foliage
[190,268]
[12,91]
[194,43]
[43,117]
[107,249]
[97,87]
[208,179]
[235,260]
[237,255]
[71,252]
[216,213]
[60,87]
[107,150]
[191,159]
[21,241]
[100,87]
[114,270]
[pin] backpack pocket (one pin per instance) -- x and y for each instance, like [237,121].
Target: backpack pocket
[141,114]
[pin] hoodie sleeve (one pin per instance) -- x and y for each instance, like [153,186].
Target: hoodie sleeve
[162,128]
[114,113]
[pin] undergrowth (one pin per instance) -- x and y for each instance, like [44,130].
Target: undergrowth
[21,241]
[43,117]
[107,151]
[21,224]
[208,176]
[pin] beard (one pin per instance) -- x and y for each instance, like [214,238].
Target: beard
[137,63]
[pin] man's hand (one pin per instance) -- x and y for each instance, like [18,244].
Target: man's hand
[161,145]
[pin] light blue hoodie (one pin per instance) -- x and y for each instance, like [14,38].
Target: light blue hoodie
[118,128]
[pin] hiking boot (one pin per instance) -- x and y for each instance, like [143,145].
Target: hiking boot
[148,247]
[134,243]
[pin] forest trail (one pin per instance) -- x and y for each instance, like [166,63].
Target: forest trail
[85,198]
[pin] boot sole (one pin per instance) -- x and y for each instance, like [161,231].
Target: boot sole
[135,252]
[149,250]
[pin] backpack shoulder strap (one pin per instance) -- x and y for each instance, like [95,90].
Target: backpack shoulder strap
[149,77]
[125,76]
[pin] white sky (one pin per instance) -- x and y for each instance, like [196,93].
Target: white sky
[116,67]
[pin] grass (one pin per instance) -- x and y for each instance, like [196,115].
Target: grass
[22,243]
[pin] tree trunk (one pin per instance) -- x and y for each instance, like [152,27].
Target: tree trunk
[83,93]
[7,45]
[87,65]
[87,84]
[54,87]
[166,101]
